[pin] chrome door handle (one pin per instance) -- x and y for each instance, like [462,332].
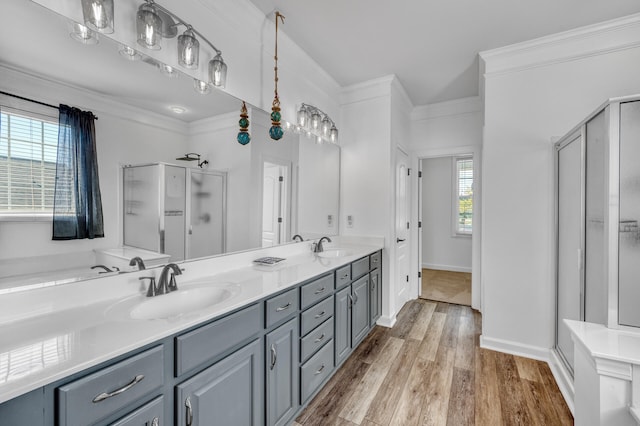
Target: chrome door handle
[189,412]
[350,301]
[355,298]
[274,356]
[283,308]
[319,370]
[320,290]
[155,422]
[107,395]
[320,315]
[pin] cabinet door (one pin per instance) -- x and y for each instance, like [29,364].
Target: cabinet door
[373,298]
[282,373]
[151,414]
[229,392]
[360,310]
[343,324]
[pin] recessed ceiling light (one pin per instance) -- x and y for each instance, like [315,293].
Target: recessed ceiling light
[177,109]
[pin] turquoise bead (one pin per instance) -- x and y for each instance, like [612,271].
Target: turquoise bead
[275,116]
[276,132]
[243,122]
[244,138]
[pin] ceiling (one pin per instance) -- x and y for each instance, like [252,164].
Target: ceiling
[431,46]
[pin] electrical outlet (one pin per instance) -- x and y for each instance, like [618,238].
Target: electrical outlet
[349,221]
[330,221]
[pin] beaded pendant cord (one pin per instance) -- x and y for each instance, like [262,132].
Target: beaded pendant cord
[276,131]
[243,135]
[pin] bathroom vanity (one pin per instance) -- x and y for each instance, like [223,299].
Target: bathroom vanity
[267,343]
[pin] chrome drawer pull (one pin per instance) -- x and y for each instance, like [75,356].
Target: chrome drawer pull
[320,315]
[345,277]
[105,395]
[189,412]
[350,301]
[319,339]
[320,290]
[319,370]
[274,356]
[355,298]
[155,422]
[283,308]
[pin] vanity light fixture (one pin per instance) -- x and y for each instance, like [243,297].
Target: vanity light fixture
[98,15]
[129,53]
[154,22]
[315,122]
[168,70]
[201,87]
[83,34]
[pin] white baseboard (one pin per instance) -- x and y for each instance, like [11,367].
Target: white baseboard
[515,348]
[385,321]
[563,379]
[446,267]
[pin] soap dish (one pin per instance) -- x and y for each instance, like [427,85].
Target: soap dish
[268,260]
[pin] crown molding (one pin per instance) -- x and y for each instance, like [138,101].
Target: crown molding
[592,40]
[35,85]
[214,124]
[470,105]
[398,88]
[366,90]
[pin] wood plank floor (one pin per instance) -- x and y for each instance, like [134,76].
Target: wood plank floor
[446,286]
[429,370]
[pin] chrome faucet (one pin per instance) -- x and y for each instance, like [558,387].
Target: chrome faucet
[317,247]
[168,284]
[105,269]
[295,237]
[137,261]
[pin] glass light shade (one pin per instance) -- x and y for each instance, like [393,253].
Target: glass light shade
[188,50]
[201,87]
[333,134]
[129,53]
[315,120]
[218,71]
[326,126]
[149,27]
[303,117]
[168,70]
[318,140]
[83,34]
[98,15]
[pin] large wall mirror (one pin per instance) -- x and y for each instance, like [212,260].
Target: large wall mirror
[244,197]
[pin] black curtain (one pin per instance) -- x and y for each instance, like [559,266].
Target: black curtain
[77,208]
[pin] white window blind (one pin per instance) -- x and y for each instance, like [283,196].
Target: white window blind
[464,195]
[28,150]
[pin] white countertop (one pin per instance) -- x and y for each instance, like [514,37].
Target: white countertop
[607,343]
[50,333]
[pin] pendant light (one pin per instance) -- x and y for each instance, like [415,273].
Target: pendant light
[98,15]
[317,123]
[276,131]
[218,71]
[188,49]
[82,34]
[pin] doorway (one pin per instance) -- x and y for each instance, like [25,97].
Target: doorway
[274,203]
[446,207]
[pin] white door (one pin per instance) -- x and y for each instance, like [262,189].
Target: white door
[271,205]
[402,202]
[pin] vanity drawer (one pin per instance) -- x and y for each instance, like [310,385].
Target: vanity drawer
[150,414]
[375,260]
[314,340]
[343,276]
[108,391]
[315,371]
[208,342]
[314,316]
[360,267]
[281,307]
[316,290]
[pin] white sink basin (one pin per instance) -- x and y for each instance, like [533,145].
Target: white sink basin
[187,300]
[330,253]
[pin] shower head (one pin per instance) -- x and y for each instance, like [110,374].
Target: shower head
[190,157]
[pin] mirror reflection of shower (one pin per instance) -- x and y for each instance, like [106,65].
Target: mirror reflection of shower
[193,156]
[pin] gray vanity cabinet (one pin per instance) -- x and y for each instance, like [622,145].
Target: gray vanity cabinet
[151,414]
[375,299]
[342,334]
[281,362]
[359,310]
[229,392]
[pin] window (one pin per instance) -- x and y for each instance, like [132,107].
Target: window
[28,150]
[463,197]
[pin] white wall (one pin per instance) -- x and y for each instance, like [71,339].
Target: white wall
[533,92]
[124,136]
[441,248]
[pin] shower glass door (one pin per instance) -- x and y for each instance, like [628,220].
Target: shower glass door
[207,213]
